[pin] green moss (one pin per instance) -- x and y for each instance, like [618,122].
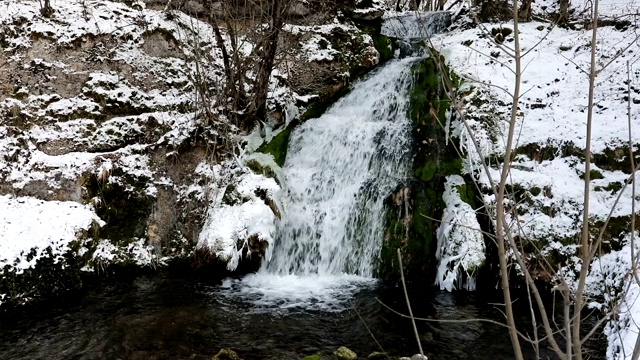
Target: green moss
[535,191]
[51,275]
[257,168]
[413,233]
[467,194]
[279,144]
[594,174]
[123,206]
[433,159]
[432,169]
[312,357]
[385,47]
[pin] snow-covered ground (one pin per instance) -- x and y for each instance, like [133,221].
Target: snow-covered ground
[546,176]
[27,223]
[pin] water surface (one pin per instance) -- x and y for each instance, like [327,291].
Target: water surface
[160,317]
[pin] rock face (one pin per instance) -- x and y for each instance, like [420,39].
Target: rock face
[415,209]
[125,124]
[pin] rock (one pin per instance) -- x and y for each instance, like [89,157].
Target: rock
[226,354]
[371,14]
[371,57]
[298,8]
[344,353]
[377,355]
[194,8]
[419,357]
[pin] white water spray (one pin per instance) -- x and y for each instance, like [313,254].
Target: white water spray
[340,168]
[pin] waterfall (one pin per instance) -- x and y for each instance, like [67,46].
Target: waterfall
[340,168]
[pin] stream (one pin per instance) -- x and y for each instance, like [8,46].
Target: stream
[163,317]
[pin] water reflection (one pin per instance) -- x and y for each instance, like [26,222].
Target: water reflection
[173,318]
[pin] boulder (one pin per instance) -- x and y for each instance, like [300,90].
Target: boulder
[226,354]
[343,353]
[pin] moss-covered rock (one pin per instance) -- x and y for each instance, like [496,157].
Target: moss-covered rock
[385,47]
[123,205]
[51,275]
[278,145]
[226,354]
[344,353]
[415,209]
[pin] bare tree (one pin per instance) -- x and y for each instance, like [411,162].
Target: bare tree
[45,9]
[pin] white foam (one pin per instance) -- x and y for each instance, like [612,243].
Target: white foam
[268,292]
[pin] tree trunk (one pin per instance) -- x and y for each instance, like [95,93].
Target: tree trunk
[525,11]
[46,10]
[563,12]
[261,88]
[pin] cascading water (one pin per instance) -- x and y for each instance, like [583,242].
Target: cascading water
[340,168]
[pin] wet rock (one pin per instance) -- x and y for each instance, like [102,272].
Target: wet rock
[226,354]
[343,353]
[419,357]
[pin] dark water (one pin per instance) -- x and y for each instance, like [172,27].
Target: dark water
[173,318]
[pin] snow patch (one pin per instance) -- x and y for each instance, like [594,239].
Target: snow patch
[229,226]
[27,223]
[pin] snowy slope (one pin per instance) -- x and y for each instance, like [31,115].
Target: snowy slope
[546,176]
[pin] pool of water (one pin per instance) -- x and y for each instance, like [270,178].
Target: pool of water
[162,317]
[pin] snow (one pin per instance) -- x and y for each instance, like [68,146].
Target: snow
[28,223]
[551,115]
[318,49]
[561,117]
[228,227]
[551,118]
[460,249]
[138,251]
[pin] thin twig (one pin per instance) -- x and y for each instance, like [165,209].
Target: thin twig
[406,296]
[369,330]
[459,321]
